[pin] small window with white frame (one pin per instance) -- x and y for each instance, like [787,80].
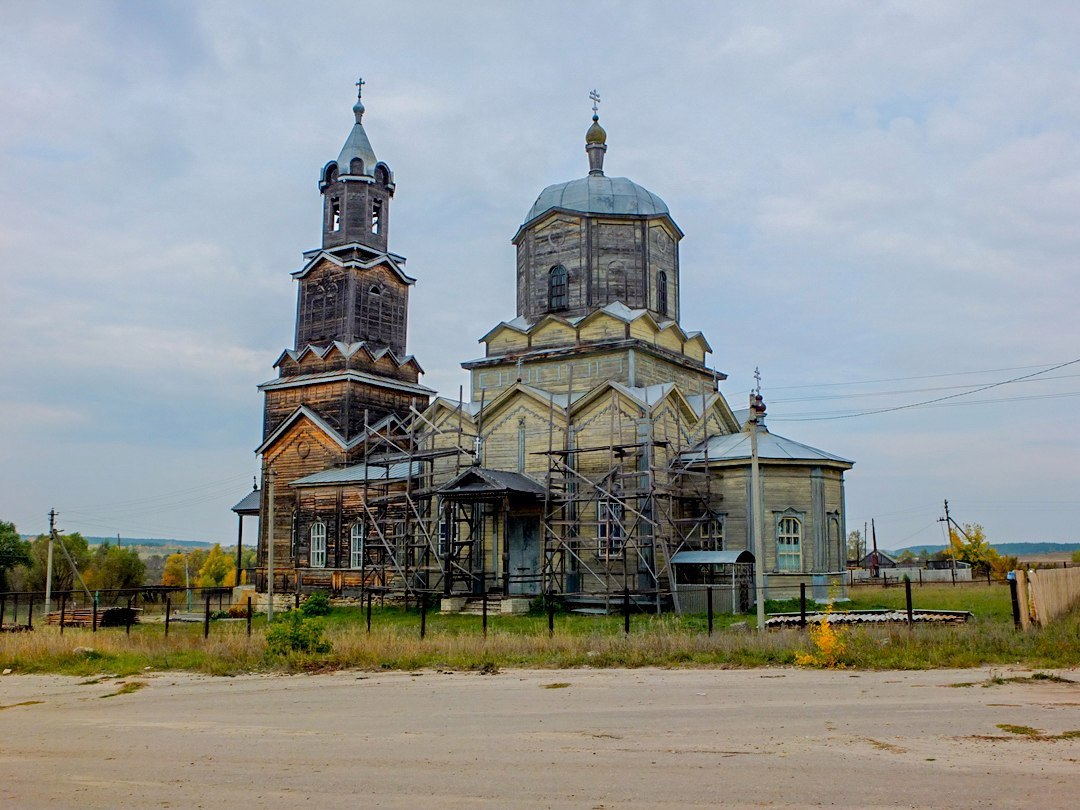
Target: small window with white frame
[709,533]
[356,546]
[318,545]
[609,528]
[789,544]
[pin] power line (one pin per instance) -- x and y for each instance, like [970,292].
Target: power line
[905,379]
[864,394]
[936,400]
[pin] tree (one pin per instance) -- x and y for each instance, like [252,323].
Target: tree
[63,578]
[114,567]
[177,571]
[906,557]
[855,545]
[1076,556]
[219,569]
[14,551]
[971,546]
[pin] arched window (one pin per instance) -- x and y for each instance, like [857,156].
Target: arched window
[382,176]
[789,544]
[356,546]
[661,293]
[318,545]
[375,290]
[356,166]
[330,173]
[557,287]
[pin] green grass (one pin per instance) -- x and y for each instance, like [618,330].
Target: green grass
[985,601]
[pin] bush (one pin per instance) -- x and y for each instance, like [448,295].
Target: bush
[294,633]
[318,604]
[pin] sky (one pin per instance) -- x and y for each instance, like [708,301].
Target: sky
[880,201]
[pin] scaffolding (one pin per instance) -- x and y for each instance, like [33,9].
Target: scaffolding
[610,519]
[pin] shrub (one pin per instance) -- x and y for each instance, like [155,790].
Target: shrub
[294,633]
[318,604]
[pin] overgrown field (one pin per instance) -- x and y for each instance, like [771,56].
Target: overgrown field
[456,642]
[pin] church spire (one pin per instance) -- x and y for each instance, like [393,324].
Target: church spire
[356,188]
[595,138]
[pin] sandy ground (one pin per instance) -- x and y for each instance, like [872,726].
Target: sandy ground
[578,738]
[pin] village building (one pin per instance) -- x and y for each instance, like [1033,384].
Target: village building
[595,457]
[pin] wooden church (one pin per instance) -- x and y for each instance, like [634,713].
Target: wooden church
[594,456]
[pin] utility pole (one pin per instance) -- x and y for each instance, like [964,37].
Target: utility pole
[757,410]
[48,563]
[952,551]
[873,560]
[270,545]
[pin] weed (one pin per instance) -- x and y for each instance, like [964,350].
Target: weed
[294,633]
[558,685]
[127,688]
[828,646]
[318,604]
[1026,731]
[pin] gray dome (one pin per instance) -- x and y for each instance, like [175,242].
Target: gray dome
[598,194]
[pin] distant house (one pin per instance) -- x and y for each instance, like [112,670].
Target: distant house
[883,560]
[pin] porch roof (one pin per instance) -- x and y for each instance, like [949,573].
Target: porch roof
[484,482]
[711,557]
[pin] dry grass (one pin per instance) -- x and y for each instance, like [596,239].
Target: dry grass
[665,641]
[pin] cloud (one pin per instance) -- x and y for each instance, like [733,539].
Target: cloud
[868,191]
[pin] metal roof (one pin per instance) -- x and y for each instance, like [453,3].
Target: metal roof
[249,504]
[357,145]
[485,481]
[598,194]
[711,557]
[358,474]
[736,446]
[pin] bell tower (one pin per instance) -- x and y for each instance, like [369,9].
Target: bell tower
[358,292]
[356,190]
[349,357]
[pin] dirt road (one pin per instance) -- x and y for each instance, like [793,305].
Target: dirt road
[579,738]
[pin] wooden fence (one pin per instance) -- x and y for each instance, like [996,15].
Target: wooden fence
[1046,594]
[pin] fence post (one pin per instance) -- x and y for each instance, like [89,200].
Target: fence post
[988,575]
[626,610]
[127,627]
[63,610]
[168,614]
[93,620]
[15,610]
[907,598]
[802,605]
[920,577]
[206,619]
[1015,600]
[30,614]
[369,612]
[3,604]
[296,598]
[549,598]
[423,614]
[709,606]
[484,609]
[249,616]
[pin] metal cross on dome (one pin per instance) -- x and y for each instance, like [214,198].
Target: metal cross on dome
[595,98]
[360,87]
[757,381]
